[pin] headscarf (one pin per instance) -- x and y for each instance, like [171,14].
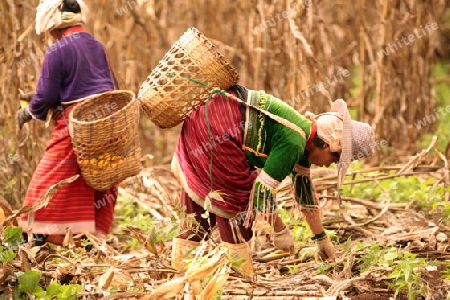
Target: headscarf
[49,15]
[352,139]
[330,129]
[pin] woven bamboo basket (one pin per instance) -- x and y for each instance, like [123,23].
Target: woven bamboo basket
[182,80]
[104,135]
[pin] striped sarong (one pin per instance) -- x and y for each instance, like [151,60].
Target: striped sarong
[76,205]
[231,174]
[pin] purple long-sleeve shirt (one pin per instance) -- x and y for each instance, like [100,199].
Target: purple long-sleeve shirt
[75,67]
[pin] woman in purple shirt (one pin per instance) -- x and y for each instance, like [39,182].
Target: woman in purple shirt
[74,67]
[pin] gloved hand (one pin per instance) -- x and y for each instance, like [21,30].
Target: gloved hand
[325,249]
[22,116]
[26,97]
[284,240]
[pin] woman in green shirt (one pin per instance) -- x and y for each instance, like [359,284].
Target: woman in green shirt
[231,157]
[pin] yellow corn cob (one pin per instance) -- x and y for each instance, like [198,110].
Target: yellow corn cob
[23,103]
[100,163]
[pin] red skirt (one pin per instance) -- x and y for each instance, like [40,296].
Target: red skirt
[220,150]
[76,205]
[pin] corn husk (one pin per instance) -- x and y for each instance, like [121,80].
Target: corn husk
[216,283]
[105,280]
[167,290]
[198,270]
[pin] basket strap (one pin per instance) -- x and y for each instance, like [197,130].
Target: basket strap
[111,71]
[279,119]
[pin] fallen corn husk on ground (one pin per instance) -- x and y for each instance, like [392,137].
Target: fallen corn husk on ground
[204,277]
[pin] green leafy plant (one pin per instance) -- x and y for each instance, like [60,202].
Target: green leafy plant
[28,282]
[61,292]
[292,269]
[237,262]
[85,243]
[6,255]
[29,285]
[128,213]
[321,268]
[301,232]
[13,236]
[371,256]
[406,275]
[445,273]
[428,195]
[405,267]
[375,256]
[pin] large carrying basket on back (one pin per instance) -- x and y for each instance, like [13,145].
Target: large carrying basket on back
[183,79]
[104,135]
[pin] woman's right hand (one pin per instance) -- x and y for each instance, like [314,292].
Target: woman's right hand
[27,97]
[325,250]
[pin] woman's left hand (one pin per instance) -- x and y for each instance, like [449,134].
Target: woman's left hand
[284,240]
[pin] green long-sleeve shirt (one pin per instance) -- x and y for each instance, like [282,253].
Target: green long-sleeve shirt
[274,147]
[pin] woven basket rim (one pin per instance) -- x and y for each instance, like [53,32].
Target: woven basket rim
[192,33]
[220,58]
[94,97]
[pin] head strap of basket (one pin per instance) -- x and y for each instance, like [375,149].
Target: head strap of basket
[184,78]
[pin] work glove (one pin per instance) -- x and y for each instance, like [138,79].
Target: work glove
[27,97]
[325,249]
[23,116]
[284,240]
